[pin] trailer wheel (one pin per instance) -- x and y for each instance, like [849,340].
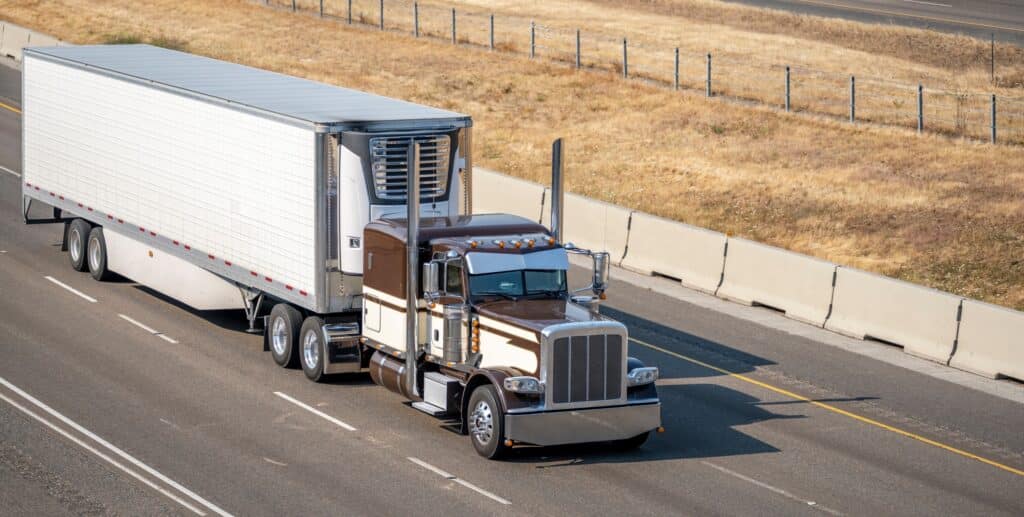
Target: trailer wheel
[311,348]
[486,422]
[283,334]
[96,255]
[78,234]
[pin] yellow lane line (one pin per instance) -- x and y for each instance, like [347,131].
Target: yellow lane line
[907,15]
[8,107]
[832,408]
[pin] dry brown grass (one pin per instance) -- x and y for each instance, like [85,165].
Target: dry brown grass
[931,210]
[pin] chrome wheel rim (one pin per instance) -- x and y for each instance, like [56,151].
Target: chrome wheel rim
[94,254]
[481,423]
[311,349]
[75,244]
[279,336]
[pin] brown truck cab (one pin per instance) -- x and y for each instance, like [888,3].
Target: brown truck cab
[503,344]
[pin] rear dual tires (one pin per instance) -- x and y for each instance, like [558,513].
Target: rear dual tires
[78,235]
[283,328]
[96,255]
[311,348]
[486,423]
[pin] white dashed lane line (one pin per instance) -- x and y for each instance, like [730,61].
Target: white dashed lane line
[147,328]
[771,488]
[9,171]
[72,290]
[462,482]
[316,412]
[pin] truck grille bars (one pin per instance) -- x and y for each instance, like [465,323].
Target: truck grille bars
[388,155]
[586,369]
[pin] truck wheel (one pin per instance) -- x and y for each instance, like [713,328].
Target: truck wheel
[311,348]
[486,423]
[283,329]
[78,234]
[632,443]
[96,253]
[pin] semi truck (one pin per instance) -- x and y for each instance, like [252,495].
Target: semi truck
[230,187]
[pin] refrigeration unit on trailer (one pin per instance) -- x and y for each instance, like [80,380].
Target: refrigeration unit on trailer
[229,187]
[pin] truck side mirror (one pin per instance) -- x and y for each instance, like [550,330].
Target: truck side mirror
[431,273]
[601,265]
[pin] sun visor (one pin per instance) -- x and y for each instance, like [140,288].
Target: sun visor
[482,262]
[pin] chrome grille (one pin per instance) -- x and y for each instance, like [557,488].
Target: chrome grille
[388,163]
[586,369]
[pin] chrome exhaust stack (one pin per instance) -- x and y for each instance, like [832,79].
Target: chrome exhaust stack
[557,191]
[412,277]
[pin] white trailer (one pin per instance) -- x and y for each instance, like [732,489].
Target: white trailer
[217,183]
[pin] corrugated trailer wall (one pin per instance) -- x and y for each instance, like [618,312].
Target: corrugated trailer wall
[225,182]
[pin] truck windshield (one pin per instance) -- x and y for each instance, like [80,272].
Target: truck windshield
[513,284]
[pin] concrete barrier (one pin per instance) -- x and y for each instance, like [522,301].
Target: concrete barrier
[14,39]
[37,39]
[659,246]
[593,224]
[759,274]
[922,320]
[991,341]
[498,193]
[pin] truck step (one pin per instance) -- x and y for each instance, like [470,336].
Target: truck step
[429,409]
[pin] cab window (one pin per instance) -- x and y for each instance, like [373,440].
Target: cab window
[453,278]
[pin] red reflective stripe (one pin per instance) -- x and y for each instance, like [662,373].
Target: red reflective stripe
[79,205]
[211,257]
[253,273]
[303,293]
[268,279]
[288,287]
[175,242]
[52,194]
[120,221]
[110,217]
[188,247]
[61,198]
[153,234]
[90,208]
[227,262]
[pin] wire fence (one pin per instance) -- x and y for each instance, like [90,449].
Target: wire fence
[792,88]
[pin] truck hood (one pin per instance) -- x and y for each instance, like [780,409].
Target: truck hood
[536,315]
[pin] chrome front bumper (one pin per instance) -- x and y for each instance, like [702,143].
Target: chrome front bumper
[583,425]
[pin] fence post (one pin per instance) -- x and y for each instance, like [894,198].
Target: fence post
[625,60]
[993,118]
[533,40]
[294,6]
[415,19]
[381,14]
[787,89]
[579,62]
[920,108]
[453,26]
[707,89]
[321,8]
[350,12]
[492,31]
[992,60]
[853,99]
[675,82]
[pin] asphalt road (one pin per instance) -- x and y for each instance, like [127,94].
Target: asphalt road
[192,417]
[979,18]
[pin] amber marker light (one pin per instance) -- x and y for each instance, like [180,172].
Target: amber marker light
[501,244]
[551,241]
[603,296]
[661,429]
[473,244]
[517,244]
[530,243]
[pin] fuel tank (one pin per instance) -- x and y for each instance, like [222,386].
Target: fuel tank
[389,372]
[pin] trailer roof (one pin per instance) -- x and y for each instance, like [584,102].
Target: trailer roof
[261,90]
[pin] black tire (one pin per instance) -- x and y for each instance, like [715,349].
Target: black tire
[311,348]
[78,235]
[96,255]
[283,334]
[633,443]
[486,430]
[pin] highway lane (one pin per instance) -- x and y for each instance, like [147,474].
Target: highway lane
[203,412]
[979,18]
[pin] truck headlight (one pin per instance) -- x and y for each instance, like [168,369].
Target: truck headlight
[642,376]
[525,385]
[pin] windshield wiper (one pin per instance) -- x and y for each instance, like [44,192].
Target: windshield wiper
[497,293]
[557,293]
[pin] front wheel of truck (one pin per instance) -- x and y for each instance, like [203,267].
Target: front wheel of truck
[486,422]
